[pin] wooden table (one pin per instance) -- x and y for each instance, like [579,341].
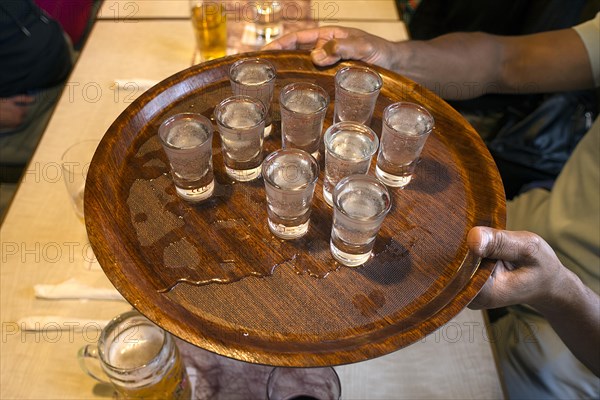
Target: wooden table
[379,17]
[43,242]
[328,11]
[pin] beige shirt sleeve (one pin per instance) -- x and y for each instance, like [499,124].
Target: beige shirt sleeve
[589,32]
[568,217]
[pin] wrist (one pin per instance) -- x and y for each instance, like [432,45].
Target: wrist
[399,54]
[561,294]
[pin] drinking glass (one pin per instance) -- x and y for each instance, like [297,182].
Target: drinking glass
[349,148]
[406,127]
[254,77]
[356,92]
[290,177]
[303,384]
[138,359]
[241,123]
[210,28]
[360,204]
[268,25]
[303,108]
[75,163]
[187,140]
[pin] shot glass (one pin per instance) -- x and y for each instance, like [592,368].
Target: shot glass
[254,77]
[406,127]
[290,176]
[356,92]
[349,148]
[303,383]
[75,163]
[360,204]
[137,358]
[187,140]
[210,28]
[241,123]
[303,108]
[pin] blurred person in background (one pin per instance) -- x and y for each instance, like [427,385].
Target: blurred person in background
[74,16]
[36,60]
[548,268]
[530,135]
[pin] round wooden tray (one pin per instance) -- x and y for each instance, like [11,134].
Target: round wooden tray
[213,275]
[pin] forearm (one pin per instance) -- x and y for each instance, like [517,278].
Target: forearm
[467,65]
[455,66]
[573,311]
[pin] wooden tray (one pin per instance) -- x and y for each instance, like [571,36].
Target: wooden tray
[213,275]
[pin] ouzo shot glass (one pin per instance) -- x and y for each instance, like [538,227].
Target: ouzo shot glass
[290,176]
[360,204]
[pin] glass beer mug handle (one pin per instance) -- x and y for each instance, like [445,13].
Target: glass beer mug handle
[87,352]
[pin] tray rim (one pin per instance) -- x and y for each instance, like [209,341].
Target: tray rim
[249,351]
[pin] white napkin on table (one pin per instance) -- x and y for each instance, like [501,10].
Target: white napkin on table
[72,289]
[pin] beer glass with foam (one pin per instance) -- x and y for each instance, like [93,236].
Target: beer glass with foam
[139,359]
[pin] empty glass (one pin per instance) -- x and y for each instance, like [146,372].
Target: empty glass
[303,384]
[75,163]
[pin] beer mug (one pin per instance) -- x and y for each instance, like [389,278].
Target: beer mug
[139,359]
